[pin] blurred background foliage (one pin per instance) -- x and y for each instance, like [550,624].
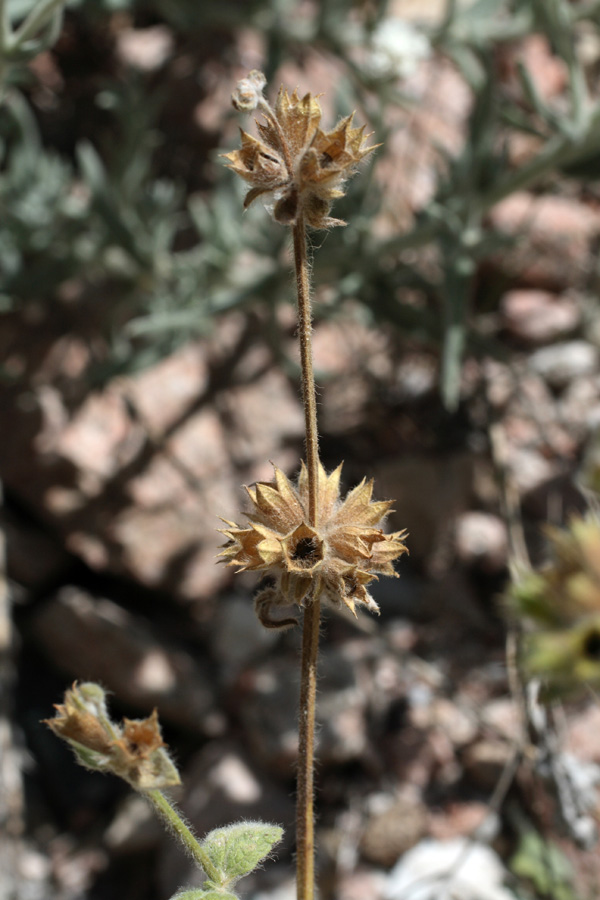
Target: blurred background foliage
[111,190]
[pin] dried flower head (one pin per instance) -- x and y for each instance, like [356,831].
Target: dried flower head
[133,751]
[299,166]
[334,561]
[562,604]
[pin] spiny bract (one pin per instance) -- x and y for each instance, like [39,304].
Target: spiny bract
[334,561]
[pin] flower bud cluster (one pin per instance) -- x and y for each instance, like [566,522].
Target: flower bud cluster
[134,750]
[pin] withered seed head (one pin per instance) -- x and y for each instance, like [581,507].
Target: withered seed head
[334,561]
[300,166]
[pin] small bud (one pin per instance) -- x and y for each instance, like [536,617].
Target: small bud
[248,92]
[134,751]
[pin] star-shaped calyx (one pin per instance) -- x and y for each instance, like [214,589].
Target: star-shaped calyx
[334,561]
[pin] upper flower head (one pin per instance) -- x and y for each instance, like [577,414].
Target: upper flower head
[334,561]
[302,167]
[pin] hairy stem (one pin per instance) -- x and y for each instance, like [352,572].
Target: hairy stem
[305,841]
[309,397]
[173,820]
[310,633]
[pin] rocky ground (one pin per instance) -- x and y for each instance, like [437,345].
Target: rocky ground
[110,524]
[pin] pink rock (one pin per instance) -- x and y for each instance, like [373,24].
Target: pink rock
[484,762]
[538,316]
[343,345]
[583,734]
[579,406]
[448,718]
[457,819]
[259,414]
[481,540]
[390,833]
[409,168]
[504,718]
[164,393]
[530,469]
[98,440]
[94,639]
[548,215]
[547,71]
[145,48]
[362,884]
[133,478]
[553,237]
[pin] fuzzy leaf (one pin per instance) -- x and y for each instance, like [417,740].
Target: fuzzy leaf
[237,849]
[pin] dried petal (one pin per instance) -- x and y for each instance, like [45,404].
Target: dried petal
[256,163]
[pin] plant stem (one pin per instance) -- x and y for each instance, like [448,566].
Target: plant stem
[309,398]
[305,842]
[310,630]
[174,821]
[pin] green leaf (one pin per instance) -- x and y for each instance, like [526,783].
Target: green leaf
[237,849]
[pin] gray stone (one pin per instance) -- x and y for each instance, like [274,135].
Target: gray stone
[94,639]
[560,364]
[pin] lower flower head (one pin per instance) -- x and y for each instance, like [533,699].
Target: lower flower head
[334,561]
